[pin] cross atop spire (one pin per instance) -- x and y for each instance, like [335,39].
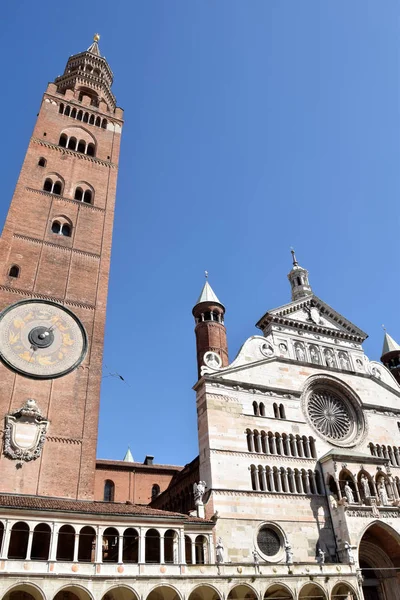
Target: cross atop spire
[295,263]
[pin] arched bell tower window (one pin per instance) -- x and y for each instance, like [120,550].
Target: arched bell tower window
[60,226]
[14,271]
[109,490]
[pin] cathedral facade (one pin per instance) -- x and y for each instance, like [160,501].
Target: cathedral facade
[295,492]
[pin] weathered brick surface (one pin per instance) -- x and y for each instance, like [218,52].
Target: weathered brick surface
[70,270]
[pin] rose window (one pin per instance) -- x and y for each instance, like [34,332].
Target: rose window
[268,541]
[334,416]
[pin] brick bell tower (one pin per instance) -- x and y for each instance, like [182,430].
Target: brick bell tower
[210,329]
[55,259]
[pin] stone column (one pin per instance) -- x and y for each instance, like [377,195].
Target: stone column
[396,456]
[54,542]
[258,443]
[357,491]
[266,444]
[250,437]
[211,553]
[279,445]
[264,486]
[273,442]
[313,449]
[300,447]
[76,547]
[142,546]
[307,448]
[271,480]
[120,548]
[308,491]
[182,547]
[313,484]
[162,559]
[278,480]
[293,443]
[6,539]
[287,446]
[99,544]
[29,548]
[339,490]
[193,552]
[292,483]
[300,482]
[285,481]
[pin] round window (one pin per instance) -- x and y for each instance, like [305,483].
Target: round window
[334,415]
[268,541]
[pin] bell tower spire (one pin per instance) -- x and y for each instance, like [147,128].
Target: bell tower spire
[298,278]
[210,329]
[391,356]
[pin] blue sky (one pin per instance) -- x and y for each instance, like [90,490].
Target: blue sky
[251,126]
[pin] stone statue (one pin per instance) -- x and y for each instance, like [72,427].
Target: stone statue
[382,493]
[350,555]
[256,561]
[348,493]
[219,551]
[321,557]
[344,361]
[300,353]
[198,492]
[314,355]
[365,486]
[332,501]
[289,553]
[329,358]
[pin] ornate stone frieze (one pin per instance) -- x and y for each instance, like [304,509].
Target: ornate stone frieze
[256,390]
[25,432]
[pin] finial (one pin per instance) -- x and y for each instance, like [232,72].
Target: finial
[96,37]
[206,274]
[295,263]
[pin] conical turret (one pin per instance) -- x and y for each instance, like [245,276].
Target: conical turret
[210,329]
[391,356]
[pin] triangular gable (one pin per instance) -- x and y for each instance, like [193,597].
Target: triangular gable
[313,314]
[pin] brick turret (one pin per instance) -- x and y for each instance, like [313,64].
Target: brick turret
[210,329]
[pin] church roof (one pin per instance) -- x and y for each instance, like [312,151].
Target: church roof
[207,294]
[128,456]
[389,345]
[22,502]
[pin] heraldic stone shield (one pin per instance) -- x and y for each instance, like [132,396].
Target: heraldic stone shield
[25,432]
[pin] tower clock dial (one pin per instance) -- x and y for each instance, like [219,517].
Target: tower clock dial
[41,339]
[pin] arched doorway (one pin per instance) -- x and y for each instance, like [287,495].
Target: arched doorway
[379,557]
[73,592]
[278,591]
[242,592]
[163,592]
[24,591]
[121,592]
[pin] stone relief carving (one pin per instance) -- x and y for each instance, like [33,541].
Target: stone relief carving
[266,349]
[289,553]
[382,493]
[348,493]
[314,355]
[198,492]
[219,551]
[300,354]
[329,358]
[25,432]
[344,361]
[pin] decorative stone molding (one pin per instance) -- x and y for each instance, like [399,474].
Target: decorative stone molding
[63,440]
[25,432]
[227,385]
[57,246]
[30,294]
[85,205]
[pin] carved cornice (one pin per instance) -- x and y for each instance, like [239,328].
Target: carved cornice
[58,246]
[254,389]
[63,440]
[265,457]
[79,155]
[234,493]
[31,294]
[85,205]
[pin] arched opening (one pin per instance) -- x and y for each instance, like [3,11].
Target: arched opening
[78,194]
[61,109]
[200,547]
[56,227]
[155,490]
[278,591]
[282,413]
[152,546]
[276,410]
[311,590]
[87,545]
[342,591]
[104,124]
[66,230]
[90,150]
[204,592]
[255,408]
[42,162]
[91,120]
[98,122]
[110,545]
[57,188]
[79,116]
[48,185]
[171,546]
[379,556]
[18,540]
[73,113]
[81,147]
[67,111]
[14,271]
[66,543]
[163,592]
[87,197]
[262,409]
[41,542]
[24,591]
[130,552]
[109,489]
[120,593]
[242,592]
[73,592]
[346,481]
[86,117]
[63,140]
[72,143]
[188,550]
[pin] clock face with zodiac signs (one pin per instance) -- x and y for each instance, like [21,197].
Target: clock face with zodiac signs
[41,339]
